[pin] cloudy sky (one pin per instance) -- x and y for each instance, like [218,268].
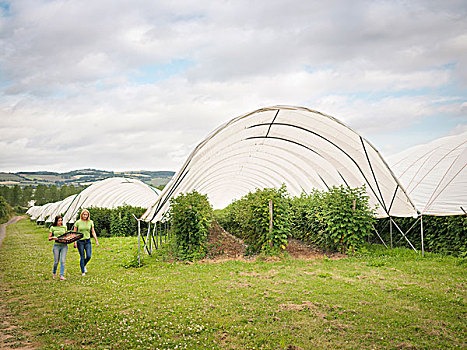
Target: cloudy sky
[130,85]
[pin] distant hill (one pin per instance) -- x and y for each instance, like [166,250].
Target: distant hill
[81,177]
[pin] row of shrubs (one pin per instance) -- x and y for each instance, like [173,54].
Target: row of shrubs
[338,220]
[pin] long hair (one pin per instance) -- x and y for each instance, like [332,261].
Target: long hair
[56,220]
[85,211]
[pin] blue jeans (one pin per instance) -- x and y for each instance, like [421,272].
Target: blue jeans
[59,256]
[85,250]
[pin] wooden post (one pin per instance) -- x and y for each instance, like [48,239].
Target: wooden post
[139,244]
[154,231]
[160,236]
[270,221]
[390,230]
[421,233]
[148,239]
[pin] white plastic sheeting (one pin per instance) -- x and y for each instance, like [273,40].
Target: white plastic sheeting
[34,211]
[302,148]
[435,175]
[111,193]
[47,209]
[61,208]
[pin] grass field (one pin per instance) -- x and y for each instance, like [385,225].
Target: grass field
[388,299]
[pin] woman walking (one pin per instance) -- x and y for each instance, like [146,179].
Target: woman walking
[59,249]
[86,226]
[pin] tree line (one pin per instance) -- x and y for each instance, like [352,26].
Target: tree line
[16,196]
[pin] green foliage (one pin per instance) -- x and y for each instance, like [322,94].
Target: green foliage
[134,260]
[336,220]
[42,194]
[442,234]
[4,209]
[307,220]
[191,216]
[18,209]
[123,223]
[249,218]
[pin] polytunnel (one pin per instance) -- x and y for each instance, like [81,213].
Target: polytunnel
[300,147]
[47,209]
[34,211]
[435,175]
[61,208]
[111,193]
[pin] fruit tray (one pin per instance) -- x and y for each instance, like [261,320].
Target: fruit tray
[69,237]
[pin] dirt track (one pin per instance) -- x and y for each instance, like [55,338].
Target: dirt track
[13,220]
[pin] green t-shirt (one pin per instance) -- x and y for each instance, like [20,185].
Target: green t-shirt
[57,231]
[84,227]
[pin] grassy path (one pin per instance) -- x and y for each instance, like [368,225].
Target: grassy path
[389,300]
[13,220]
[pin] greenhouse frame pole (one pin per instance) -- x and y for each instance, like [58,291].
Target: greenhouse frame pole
[152,236]
[381,239]
[160,235]
[404,234]
[148,238]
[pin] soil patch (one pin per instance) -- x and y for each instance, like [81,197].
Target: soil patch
[224,246]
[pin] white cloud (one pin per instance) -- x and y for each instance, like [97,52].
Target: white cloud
[68,99]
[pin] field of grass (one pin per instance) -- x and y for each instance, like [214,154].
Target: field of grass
[385,300]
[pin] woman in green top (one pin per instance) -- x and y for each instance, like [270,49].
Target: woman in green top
[86,226]
[59,249]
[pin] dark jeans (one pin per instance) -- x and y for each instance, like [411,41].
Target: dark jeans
[85,250]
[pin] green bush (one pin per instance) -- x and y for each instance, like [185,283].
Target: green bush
[260,238]
[191,216]
[307,220]
[19,209]
[336,220]
[249,219]
[4,210]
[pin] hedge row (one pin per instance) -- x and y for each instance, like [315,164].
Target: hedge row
[336,220]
